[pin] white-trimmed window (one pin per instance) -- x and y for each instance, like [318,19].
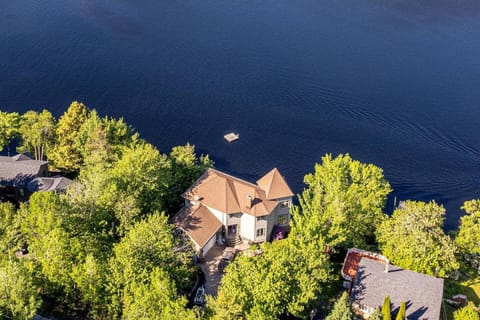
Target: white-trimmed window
[282,219]
[260,232]
[285,204]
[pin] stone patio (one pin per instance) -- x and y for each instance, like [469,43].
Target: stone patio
[210,267]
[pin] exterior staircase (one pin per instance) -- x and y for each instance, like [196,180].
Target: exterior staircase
[232,242]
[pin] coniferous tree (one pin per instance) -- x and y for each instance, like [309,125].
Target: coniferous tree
[342,309]
[386,309]
[402,311]
[66,154]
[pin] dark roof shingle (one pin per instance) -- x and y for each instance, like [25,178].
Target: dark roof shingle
[19,170]
[422,293]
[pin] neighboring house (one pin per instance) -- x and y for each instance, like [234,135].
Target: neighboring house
[372,278]
[57,184]
[16,173]
[222,208]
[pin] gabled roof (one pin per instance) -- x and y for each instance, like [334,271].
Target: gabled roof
[19,169]
[422,293]
[228,194]
[198,222]
[274,185]
[58,184]
[353,258]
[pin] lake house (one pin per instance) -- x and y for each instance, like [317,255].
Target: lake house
[220,208]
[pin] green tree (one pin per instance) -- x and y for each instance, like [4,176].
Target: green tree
[155,299]
[51,248]
[147,246]
[468,312]
[19,298]
[287,278]
[90,277]
[103,140]
[186,167]
[401,315]
[65,154]
[138,184]
[342,309]
[119,135]
[343,201]
[376,315]
[37,132]
[413,239]
[9,127]
[468,236]
[9,229]
[386,309]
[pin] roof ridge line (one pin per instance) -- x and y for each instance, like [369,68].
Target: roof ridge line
[234,190]
[235,178]
[271,183]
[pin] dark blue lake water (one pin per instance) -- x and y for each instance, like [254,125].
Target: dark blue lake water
[392,82]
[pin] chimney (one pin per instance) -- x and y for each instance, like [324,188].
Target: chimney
[249,202]
[386,265]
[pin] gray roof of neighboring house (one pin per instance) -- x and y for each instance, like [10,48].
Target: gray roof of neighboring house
[422,293]
[19,170]
[58,184]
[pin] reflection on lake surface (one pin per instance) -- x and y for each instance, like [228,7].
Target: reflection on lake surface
[395,83]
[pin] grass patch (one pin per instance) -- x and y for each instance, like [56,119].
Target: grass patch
[470,288]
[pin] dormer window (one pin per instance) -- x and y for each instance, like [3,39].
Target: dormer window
[285,204]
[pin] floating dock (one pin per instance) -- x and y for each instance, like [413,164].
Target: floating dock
[231,137]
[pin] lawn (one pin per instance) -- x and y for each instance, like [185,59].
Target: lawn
[470,288]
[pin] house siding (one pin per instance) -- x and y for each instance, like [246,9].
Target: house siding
[247,231]
[209,244]
[262,223]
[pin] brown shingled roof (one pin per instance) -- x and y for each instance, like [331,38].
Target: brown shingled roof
[198,222]
[229,194]
[274,185]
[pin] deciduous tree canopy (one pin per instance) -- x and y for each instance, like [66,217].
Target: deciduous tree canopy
[343,201]
[37,132]
[413,239]
[287,278]
[468,236]
[466,313]
[9,127]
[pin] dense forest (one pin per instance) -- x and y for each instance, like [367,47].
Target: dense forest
[105,249]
